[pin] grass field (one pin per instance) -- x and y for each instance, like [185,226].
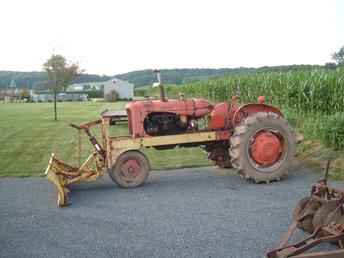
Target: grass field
[28,135]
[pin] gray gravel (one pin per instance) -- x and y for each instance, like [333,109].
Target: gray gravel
[199,212]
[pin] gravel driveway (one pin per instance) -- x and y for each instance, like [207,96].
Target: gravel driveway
[198,212]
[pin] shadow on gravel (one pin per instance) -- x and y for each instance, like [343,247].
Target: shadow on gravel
[182,180]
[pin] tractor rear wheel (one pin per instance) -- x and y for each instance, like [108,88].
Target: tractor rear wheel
[262,147]
[130,170]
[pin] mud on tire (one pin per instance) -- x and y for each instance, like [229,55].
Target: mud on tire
[241,141]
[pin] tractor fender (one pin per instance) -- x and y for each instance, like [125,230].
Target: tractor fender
[252,108]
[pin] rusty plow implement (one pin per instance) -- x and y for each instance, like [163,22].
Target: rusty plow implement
[62,174]
[322,215]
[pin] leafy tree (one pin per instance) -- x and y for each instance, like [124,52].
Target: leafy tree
[60,74]
[112,96]
[339,56]
[330,66]
[36,80]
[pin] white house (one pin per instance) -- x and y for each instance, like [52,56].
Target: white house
[86,86]
[124,89]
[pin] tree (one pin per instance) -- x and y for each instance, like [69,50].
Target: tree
[330,66]
[60,73]
[339,56]
[112,96]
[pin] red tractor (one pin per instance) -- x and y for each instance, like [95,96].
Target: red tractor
[253,138]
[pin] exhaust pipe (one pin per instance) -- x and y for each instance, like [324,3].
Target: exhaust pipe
[160,85]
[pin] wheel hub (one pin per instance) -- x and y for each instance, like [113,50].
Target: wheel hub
[131,169]
[266,148]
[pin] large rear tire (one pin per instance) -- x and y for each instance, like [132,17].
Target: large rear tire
[262,147]
[130,170]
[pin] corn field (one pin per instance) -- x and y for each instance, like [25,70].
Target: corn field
[315,96]
[316,90]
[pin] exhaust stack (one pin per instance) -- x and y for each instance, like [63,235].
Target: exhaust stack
[160,85]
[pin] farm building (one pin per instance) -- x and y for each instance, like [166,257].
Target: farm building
[11,94]
[48,97]
[124,89]
[86,86]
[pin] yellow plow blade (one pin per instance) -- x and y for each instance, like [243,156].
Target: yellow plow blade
[62,174]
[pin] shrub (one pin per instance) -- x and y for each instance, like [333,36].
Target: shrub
[332,131]
[140,92]
[112,96]
[95,94]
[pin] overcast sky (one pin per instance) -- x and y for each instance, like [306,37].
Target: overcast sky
[115,36]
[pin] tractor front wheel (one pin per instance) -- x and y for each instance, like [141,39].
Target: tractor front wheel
[262,147]
[130,170]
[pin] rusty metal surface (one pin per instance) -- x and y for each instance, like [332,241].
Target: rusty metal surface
[327,220]
[330,233]
[329,254]
[115,116]
[111,113]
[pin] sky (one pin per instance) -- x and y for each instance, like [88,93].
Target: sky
[117,36]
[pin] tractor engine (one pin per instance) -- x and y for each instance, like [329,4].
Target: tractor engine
[157,118]
[164,123]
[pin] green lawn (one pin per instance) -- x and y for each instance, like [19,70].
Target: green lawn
[28,135]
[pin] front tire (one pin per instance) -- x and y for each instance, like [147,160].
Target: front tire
[130,170]
[262,147]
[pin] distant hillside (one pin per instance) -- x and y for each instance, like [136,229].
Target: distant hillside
[180,76]
[35,80]
[172,76]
